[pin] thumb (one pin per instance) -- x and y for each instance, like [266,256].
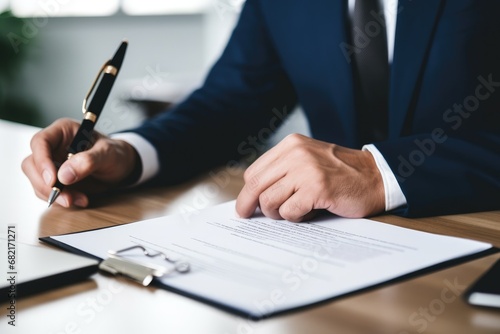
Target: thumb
[78,167]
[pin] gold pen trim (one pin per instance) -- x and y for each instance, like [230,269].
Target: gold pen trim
[110,69]
[90,116]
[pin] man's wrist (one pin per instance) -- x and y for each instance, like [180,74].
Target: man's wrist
[147,155]
[134,160]
[394,197]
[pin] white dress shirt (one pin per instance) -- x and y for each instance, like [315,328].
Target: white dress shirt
[394,196]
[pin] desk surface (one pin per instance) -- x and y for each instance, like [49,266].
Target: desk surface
[113,305]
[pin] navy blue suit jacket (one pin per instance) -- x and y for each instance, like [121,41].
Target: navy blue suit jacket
[444,104]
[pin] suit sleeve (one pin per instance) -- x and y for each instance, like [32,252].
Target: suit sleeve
[446,173]
[236,104]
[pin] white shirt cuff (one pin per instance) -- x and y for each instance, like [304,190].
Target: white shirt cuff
[146,151]
[394,197]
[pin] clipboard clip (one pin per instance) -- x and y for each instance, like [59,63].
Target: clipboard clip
[142,273]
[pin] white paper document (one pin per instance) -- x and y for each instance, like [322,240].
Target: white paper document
[261,266]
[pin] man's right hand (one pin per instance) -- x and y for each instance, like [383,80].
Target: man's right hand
[105,165]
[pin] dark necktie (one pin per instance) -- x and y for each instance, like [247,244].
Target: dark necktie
[371,71]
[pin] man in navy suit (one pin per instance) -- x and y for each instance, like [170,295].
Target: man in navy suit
[429,145]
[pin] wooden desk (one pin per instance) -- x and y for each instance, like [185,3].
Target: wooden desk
[110,305]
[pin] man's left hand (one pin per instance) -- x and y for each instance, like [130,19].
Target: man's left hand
[301,175]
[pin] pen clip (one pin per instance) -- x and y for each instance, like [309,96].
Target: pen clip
[94,84]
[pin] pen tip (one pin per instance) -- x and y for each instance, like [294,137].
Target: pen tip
[125,40]
[53,195]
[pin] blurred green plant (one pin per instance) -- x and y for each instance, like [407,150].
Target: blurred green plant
[12,58]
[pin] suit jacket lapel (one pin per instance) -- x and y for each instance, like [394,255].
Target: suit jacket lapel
[414,28]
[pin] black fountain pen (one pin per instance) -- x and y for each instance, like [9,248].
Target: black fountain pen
[83,138]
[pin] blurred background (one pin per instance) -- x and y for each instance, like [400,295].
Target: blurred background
[51,51]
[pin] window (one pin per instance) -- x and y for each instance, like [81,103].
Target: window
[155,7]
[25,8]
[28,8]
